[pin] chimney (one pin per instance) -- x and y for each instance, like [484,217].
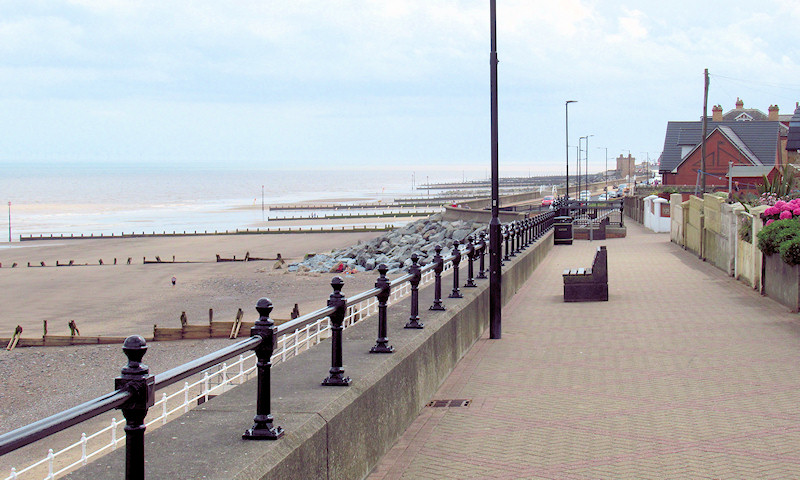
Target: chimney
[773,113]
[739,104]
[716,113]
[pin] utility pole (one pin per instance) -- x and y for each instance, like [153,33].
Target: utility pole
[705,127]
[495,300]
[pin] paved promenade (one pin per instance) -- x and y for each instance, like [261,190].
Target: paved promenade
[683,373]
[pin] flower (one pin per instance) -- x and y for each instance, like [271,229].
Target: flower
[772,211]
[785,214]
[770,221]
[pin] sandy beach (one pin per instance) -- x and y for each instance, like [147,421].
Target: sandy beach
[122,299]
[127,299]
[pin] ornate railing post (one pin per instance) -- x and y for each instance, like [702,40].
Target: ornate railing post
[456,293]
[470,262]
[136,379]
[262,428]
[526,236]
[416,276]
[438,267]
[482,252]
[512,232]
[621,213]
[520,232]
[338,301]
[382,345]
[507,235]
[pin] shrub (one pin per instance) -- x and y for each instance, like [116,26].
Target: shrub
[746,229]
[790,251]
[774,233]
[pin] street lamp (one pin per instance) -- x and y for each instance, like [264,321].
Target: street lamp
[586,172]
[495,299]
[587,164]
[605,171]
[566,108]
[578,161]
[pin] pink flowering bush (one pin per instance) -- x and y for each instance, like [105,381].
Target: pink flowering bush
[781,209]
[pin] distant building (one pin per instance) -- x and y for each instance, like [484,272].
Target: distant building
[626,166]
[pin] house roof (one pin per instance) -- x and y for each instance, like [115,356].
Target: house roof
[744,114]
[759,138]
[734,139]
[793,140]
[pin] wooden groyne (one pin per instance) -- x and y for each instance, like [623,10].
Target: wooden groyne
[185,233]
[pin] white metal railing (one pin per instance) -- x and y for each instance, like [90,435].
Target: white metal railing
[214,381]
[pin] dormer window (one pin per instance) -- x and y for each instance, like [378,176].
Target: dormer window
[743,117]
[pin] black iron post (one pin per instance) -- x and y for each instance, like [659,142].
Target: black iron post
[517,235]
[416,276]
[470,262]
[526,224]
[512,233]
[495,299]
[382,345]
[621,216]
[136,379]
[262,428]
[482,252]
[338,301]
[438,267]
[507,235]
[456,293]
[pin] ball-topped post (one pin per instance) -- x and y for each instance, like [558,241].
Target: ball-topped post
[338,302]
[264,327]
[383,284]
[416,276]
[136,379]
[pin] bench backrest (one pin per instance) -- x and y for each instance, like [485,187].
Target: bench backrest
[600,265]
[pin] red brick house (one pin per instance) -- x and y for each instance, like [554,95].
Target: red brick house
[752,141]
[751,147]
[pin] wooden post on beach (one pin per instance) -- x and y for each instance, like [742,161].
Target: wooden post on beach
[237,324]
[210,316]
[14,338]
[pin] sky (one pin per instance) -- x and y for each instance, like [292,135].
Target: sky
[377,84]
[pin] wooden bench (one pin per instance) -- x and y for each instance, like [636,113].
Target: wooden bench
[588,284]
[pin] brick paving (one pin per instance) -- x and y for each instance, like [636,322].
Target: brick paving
[683,373]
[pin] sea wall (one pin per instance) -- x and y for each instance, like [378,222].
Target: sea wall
[331,432]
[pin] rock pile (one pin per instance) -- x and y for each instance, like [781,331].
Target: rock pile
[395,248]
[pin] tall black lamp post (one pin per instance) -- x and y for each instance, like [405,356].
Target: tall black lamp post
[566,108]
[495,305]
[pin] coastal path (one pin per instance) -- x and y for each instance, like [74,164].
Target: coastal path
[684,373]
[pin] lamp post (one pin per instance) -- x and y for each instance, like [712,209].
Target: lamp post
[605,172]
[586,172]
[566,108]
[495,301]
[578,161]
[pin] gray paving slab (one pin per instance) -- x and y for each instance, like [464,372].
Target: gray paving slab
[683,373]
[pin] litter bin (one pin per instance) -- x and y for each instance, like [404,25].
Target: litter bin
[562,227]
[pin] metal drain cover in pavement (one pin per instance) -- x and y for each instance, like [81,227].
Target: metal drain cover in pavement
[449,403]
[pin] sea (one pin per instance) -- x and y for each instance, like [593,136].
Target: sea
[111,198]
